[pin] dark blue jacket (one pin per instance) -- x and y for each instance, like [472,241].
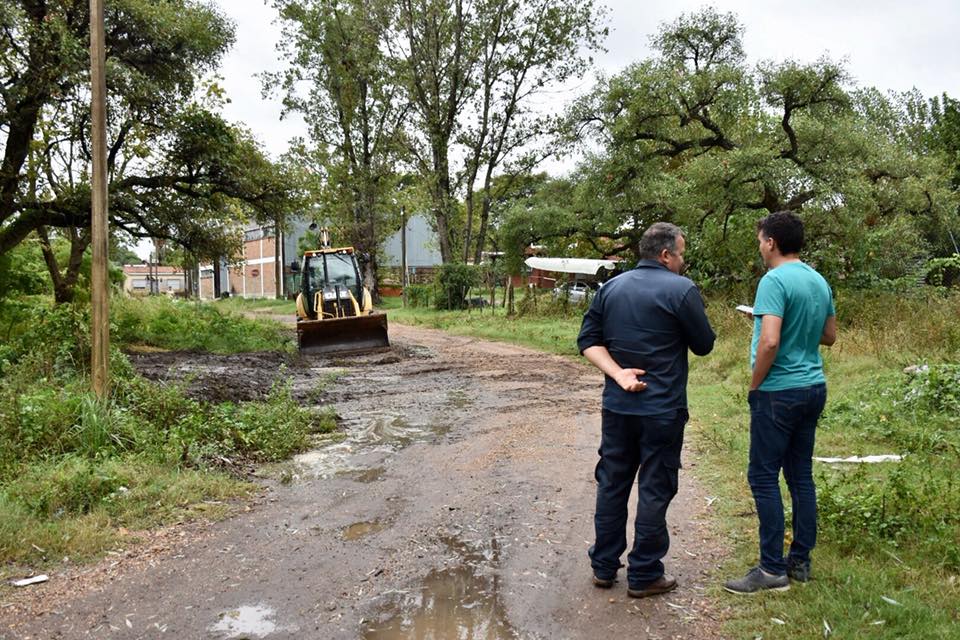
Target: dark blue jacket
[647,319]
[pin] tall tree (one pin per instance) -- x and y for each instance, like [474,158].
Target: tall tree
[174,166]
[525,48]
[694,136]
[343,79]
[440,43]
[472,72]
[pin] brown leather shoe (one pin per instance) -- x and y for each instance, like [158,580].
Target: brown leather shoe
[663,584]
[603,583]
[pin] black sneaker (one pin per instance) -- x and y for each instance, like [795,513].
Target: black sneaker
[757,580]
[798,571]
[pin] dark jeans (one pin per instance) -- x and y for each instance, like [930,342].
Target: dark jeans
[650,444]
[783,425]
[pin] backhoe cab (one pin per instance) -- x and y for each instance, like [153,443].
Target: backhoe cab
[334,310]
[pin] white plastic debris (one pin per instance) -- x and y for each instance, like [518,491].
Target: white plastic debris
[886,457]
[890,601]
[26,582]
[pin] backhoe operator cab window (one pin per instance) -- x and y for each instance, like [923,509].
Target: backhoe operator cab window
[331,269]
[341,270]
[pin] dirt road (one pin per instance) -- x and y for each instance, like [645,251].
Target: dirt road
[458,505]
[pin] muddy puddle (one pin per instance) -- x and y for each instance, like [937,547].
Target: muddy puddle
[369,440]
[244,377]
[247,622]
[359,530]
[462,600]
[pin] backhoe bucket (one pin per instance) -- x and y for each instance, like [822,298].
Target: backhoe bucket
[343,335]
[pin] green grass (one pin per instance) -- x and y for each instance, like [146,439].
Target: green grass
[545,333]
[263,305]
[76,471]
[887,531]
[184,325]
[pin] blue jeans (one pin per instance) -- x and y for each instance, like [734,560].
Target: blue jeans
[650,445]
[783,426]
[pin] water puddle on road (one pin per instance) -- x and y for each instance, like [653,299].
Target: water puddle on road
[364,475]
[358,530]
[247,622]
[369,440]
[460,601]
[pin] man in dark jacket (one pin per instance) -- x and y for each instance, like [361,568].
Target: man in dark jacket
[637,331]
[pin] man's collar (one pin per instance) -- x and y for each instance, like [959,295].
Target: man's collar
[651,264]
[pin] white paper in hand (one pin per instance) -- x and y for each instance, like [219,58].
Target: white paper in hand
[742,308]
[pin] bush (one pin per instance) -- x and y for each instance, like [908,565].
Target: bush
[944,272]
[453,283]
[420,295]
[936,389]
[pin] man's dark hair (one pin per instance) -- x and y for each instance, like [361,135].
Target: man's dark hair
[660,236]
[785,228]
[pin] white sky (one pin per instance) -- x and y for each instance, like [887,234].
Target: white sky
[890,44]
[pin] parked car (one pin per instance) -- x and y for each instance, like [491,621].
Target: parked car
[574,291]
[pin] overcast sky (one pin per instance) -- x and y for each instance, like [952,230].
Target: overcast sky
[888,44]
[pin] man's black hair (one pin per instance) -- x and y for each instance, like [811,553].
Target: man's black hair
[785,228]
[660,236]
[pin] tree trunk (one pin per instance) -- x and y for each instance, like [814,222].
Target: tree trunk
[64,284]
[442,198]
[277,261]
[17,145]
[216,278]
[468,232]
[484,217]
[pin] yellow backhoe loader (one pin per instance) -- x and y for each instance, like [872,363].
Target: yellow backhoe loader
[334,310]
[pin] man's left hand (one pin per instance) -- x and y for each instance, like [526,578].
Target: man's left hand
[629,379]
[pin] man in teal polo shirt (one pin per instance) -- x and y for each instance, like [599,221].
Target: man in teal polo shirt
[793,315]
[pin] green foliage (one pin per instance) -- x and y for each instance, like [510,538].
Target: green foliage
[453,283]
[944,272]
[73,468]
[420,295]
[540,303]
[695,137]
[57,337]
[898,327]
[178,170]
[185,326]
[22,273]
[907,504]
[935,389]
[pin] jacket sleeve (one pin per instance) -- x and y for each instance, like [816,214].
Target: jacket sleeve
[696,327]
[591,329]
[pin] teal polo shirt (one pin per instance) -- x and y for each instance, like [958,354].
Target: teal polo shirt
[799,295]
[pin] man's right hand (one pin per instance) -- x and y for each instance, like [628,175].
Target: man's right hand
[629,379]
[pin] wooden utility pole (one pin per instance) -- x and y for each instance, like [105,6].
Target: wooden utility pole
[403,255]
[100,317]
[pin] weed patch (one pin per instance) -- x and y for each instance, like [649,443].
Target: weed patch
[186,326]
[74,468]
